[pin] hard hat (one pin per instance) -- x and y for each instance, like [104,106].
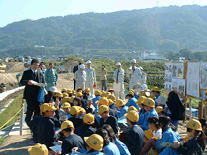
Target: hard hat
[58,94]
[75,110]
[118,64]
[88,62]
[131,93]
[69,91]
[63,90]
[141,100]
[65,94]
[159,109]
[132,116]
[79,94]
[81,110]
[87,90]
[133,61]
[120,103]
[89,119]
[111,90]
[48,107]
[102,109]
[149,102]
[66,105]
[67,124]
[103,101]
[110,102]
[95,142]
[156,89]
[141,68]
[53,89]
[82,66]
[194,124]
[97,93]
[132,108]
[112,97]
[38,149]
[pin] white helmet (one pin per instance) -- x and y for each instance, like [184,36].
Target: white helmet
[88,62]
[82,66]
[134,61]
[118,64]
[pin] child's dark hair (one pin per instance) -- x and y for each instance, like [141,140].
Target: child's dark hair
[110,131]
[155,121]
[104,134]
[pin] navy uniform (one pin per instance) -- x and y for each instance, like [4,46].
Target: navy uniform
[112,121]
[86,130]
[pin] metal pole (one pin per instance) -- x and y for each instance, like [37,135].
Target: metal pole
[21,118]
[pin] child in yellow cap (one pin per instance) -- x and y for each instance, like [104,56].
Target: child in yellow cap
[64,113]
[38,149]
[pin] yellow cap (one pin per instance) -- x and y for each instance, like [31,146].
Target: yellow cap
[38,149]
[65,94]
[95,142]
[66,105]
[63,90]
[48,107]
[112,97]
[58,94]
[132,108]
[148,134]
[131,92]
[103,101]
[66,124]
[75,110]
[69,91]
[110,102]
[88,119]
[194,124]
[102,109]
[159,109]
[111,89]
[120,103]
[79,94]
[97,93]
[155,89]
[81,110]
[71,99]
[87,90]
[132,116]
[149,102]
[141,100]
[65,99]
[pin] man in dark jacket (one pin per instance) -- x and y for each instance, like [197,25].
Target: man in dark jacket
[75,68]
[32,79]
[135,135]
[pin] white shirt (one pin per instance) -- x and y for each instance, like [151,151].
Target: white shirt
[158,133]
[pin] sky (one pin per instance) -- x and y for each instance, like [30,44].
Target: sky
[17,10]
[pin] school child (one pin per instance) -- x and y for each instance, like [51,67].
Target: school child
[87,128]
[89,106]
[46,126]
[75,116]
[131,100]
[154,133]
[38,149]
[140,101]
[197,139]
[149,107]
[113,138]
[112,100]
[97,98]
[64,113]
[50,96]
[160,110]
[132,108]
[168,137]
[86,93]
[109,147]
[134,138]
[94,145]
[70,140]
[122,109]
[106,118]
[159,99]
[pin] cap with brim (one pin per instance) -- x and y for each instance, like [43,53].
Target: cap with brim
[102,109]
[82,66]
[95,142]
[118,64]
[88,62]
[67,124]
[53,89]
[48,107]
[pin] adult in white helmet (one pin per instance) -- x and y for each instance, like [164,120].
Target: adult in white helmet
[80,77]
[135,77]
[90,77]
[119,81]
[143,80]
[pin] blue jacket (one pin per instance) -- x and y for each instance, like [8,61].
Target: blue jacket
[132,102]
[122,111]
[122,148]
[95,153]
[111,149]
[94,100]
[167,136]
[148,114]
[141,117]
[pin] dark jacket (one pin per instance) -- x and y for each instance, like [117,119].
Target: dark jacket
[85,131]
[71,142]
[135,140]
[31,92]
[76,121]
[112,121]
[34,125]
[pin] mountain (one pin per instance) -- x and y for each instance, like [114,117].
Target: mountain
[161,29]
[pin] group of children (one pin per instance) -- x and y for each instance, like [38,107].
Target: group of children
[103,124]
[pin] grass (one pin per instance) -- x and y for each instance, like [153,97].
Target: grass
[10,111]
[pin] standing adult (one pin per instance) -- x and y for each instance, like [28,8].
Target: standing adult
[32,79]
[135,77]
[119,81]
[143,79]
[75,68]
[103,75]
[176,108]
[90,77]
[80,77]
[51,76]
